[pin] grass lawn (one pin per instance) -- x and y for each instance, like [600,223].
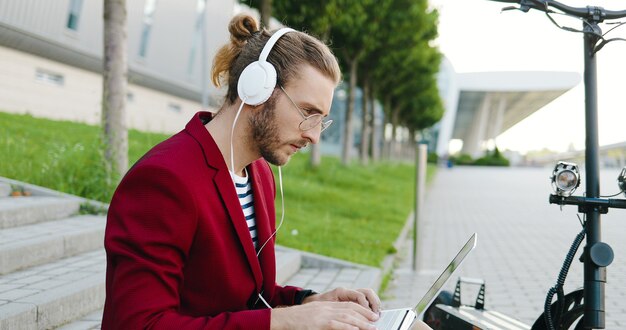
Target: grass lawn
[350,212]
[61,155]
[353,213]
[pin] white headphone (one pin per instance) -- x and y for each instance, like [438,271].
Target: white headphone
[258,80]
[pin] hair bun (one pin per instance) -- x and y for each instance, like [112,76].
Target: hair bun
[242,27]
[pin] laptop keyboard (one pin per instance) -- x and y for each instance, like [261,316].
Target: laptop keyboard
[390,319]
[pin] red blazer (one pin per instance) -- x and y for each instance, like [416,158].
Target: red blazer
[179,254]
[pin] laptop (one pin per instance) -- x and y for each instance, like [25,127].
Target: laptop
[403,318]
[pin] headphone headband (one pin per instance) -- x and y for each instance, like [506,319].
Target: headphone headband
[270,43]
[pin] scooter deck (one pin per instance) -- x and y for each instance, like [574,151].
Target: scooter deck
[466,317]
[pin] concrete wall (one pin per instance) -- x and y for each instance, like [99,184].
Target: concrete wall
[79,97]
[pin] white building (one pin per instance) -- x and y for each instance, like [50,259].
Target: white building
[482,105]
[51,58]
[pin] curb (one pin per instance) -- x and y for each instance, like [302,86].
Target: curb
[387,266]
[43,191]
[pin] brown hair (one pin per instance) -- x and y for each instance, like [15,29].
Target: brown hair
[290,51]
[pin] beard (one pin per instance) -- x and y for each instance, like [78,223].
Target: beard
[265,134]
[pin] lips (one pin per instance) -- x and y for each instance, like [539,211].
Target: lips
[296,147]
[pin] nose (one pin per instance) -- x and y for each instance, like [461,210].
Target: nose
[313,134]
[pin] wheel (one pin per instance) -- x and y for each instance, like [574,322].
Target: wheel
[573,308]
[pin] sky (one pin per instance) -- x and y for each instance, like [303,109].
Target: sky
[475,36]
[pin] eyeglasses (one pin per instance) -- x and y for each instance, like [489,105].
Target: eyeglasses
[310,121]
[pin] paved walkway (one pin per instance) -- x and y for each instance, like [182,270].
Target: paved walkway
[522,241]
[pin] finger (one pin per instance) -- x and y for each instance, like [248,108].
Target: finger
[372,298]
[364,313]
[352,319]
[354,296]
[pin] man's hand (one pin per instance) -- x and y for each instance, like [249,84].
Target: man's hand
[364,297]
[324,315]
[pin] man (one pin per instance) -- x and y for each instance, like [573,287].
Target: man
[183,250]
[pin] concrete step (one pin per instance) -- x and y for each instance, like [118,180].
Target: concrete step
[50,295]
[321,273]
[21,211]
[5,189]
[91,321]
[36,244]
[287,265]
[324,279]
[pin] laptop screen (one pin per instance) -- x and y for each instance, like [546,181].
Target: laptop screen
[443,278]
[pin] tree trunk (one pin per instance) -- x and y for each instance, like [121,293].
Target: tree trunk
[315,159]
[410,146]
[316,155]
[375,130]
[266,13]
[347,132]
[365,126]
[386,142]
[114,89]
[394,145]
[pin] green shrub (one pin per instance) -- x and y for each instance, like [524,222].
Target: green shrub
[494,158]
[433,158]
[463,159]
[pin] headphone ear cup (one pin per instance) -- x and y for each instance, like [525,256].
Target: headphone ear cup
[256,83]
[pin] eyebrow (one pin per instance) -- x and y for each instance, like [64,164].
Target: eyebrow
[311,109]
[308,108]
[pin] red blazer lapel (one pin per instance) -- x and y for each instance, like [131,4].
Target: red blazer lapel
[265,218]
[227,192]
[228,195]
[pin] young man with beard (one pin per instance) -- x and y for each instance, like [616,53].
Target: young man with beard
[191,228]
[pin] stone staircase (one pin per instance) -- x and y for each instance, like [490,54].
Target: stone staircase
[52,262]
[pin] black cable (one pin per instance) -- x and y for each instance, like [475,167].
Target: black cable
[606,41]
[619,193]
[558,288]
[582,221]
[617,24]
[569,29]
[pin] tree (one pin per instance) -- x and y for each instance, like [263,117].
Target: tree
[353,29]
[114,89]
[379,16]
[406,70]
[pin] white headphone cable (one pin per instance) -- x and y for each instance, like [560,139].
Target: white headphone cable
[282,213]
[282,218]
[232,131]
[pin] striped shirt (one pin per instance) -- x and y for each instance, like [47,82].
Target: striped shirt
[244,192]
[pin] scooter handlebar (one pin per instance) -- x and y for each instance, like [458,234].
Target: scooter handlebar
[584,12]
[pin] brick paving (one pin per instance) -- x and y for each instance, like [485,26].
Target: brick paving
[522,241]
[324,279]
